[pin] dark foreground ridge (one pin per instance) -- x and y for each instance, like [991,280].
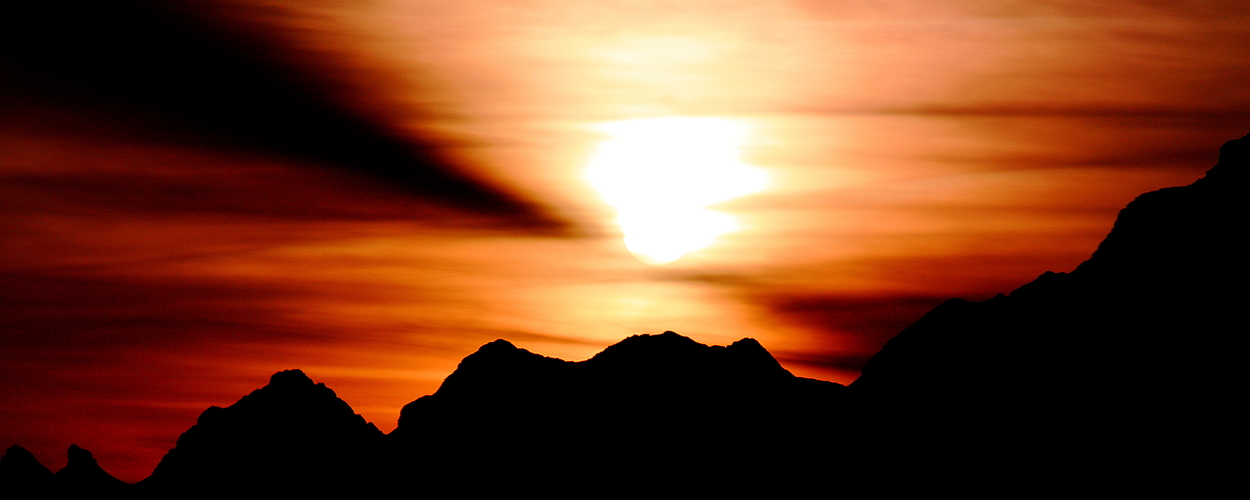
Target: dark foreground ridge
[1124,374]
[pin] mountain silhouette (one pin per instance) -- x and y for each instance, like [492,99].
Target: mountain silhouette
[22,476]
[633,377]
[662,402]
[1131,358]
[292,435]
[83,474]
[1156,296]
[1122,375]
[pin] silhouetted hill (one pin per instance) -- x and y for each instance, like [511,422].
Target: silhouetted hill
[1134,358]
[643,370]
[665,403]
[83,474]
[21,475]
[290,436]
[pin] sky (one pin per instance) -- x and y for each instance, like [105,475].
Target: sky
[197,196]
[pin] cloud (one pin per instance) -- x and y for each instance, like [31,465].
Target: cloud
[218,78]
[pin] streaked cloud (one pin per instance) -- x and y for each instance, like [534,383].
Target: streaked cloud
[196,196]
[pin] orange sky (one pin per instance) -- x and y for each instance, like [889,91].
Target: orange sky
[195,198]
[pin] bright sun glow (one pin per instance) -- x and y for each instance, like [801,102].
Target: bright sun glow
[660,173]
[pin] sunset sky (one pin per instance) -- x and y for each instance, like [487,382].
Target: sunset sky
[195,195]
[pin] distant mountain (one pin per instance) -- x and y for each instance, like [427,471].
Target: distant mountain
[660,403]
[290,436]
[641,377]
[1123,375]
[83,474]
[22,476]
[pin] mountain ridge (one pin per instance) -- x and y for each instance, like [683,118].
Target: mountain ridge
[292,428]
[974,393]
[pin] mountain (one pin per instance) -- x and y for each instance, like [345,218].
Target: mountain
[22,476]
[1133,358]
[660,403]
[1119,374]
[83,474]
[291,436]
[1122,376]
[637,378]
[1153,303]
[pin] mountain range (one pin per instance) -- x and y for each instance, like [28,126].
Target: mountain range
[1120,375]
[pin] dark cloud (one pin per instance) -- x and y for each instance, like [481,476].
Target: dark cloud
[196,77]
[256,192]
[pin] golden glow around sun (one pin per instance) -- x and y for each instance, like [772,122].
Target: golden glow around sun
[661,173]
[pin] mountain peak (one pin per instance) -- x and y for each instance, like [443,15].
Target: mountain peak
[498,345]
[82,472]
[79,457]
[667,344]
[293,428]
[668,352]
[499,353]
[20,471]
[657,399]
[290,378]
[499,374]
[747,343]
[496,365]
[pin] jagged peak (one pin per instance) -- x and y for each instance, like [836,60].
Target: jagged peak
[675,351]
[752,348]
[16,452]
[20,461]
[79,456]
[498,349]
[747,343]
[16,449]
[82,471]
[648,342]
[290,378]
[289,383]
[288,392]
[291,423]
[493,363]
[668,335]
[751,352]
[498,345]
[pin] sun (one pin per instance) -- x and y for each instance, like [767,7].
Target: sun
[660,174]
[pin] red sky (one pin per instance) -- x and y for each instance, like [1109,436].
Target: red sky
[195,198]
